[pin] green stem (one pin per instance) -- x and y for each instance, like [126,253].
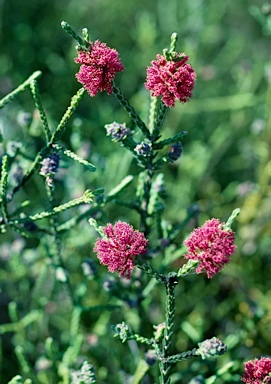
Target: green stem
[140,339]
[231,219]
[19,89]
[3,187]
[173,42]
[85,199]
[171,140]
[36,96]
[75,157]
[153,112]
[148,268]
[145,200]
[54,137]
[170,310]
[160,120]
[83,44]
[57,246]
[182,356]
[130,110]
[67,115]
[168,333]
[187,268]
[29,173]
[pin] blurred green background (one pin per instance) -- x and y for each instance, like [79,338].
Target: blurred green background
[225,164]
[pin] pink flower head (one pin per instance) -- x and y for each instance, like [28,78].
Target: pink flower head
[118,249]
[257,371]
[211,245]
[98,68]
[172,79]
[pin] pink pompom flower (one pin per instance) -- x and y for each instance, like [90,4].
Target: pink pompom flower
[211,245]
[98,67]
[172,79]
[119,247]
[257,371]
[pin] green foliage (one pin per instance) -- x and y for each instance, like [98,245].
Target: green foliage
[53,316]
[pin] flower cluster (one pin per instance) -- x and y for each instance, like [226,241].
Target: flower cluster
[257,371]
[98,68]
[119,247]
[169,76]
[171,79]
[211,245]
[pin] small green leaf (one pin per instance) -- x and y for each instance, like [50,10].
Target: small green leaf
[16,380]
[75,157]
[191,331]
[141,370]
[122,185]
[19,89]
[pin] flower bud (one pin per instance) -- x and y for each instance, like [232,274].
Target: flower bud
[175,152]
[211,347]
[117,131]
[49,167]
[150,357]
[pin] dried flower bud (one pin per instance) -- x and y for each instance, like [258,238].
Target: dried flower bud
[175,152]
[117,131]
[143,148]
[49,167]
[150,357]
[211,347]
